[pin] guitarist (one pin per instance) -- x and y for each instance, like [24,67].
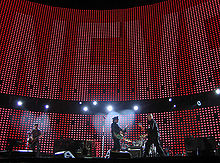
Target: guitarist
[34,139]
[153,137]
[116,132]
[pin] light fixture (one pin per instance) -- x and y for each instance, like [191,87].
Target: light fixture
[199,103]
[217,91]
[46,106]
[19,103]
[95,102]
[109,108]
[135,108]
[85,109]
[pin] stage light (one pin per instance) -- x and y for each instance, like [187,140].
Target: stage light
[170,99]
[95,102]
[109,108]
[80,103]
[135,108]
[46,106]
[217,91]
[174,105]
[85,109]
[19,103]
[199,103]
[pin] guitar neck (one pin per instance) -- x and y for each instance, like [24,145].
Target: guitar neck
[127,140]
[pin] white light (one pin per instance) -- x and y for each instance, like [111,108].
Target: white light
[46,106]
[95,102]
[170,99]
[80,103]
[19,103]
[85,108]
[217,91]
[109,108]
[199,103]
[174,106]
[135,108]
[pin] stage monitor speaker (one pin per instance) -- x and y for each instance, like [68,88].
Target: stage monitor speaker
[118,155]
[63,154]
[135,153]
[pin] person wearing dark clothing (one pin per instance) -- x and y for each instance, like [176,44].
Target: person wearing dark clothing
[116,134]
[153,137]
[35,134]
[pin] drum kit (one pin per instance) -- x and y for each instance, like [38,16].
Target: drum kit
[138,146]
[140,142]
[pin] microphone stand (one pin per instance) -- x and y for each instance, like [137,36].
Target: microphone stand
[103,135]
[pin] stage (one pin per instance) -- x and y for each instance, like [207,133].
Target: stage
[96,159]
[28,156]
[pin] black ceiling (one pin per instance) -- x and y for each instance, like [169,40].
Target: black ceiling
[96,4]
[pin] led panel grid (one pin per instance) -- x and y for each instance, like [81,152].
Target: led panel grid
[174,126]
[162,50]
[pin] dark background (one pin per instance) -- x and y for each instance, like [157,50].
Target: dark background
[97,4]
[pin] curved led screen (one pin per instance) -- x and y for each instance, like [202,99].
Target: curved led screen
[162,50]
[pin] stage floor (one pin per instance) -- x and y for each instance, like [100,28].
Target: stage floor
[170,159]
[28,156]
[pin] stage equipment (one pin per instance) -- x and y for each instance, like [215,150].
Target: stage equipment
[13,143]
[136,152]
[63,154]
[79,148]
[201,146]
[118,155]
[17,154]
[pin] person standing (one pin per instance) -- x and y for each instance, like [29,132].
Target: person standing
[34,140]
[116,134]
[153,137]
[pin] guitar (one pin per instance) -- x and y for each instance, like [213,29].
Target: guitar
[120,135]
[32,140]
[143,129]
[143,136]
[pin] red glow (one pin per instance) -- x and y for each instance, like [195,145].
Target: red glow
[163,50]
[178,125]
